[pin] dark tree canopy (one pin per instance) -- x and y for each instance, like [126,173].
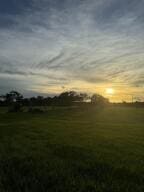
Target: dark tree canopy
[14,100]
[71,97]
[99,99]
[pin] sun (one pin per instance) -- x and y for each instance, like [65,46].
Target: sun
[109,91]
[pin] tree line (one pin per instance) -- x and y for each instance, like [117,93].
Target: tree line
[15,100]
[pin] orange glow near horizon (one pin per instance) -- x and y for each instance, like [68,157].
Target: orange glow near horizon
[115,92]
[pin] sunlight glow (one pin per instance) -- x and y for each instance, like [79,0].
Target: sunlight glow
[110,91]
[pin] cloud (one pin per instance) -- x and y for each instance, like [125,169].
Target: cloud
[97,42]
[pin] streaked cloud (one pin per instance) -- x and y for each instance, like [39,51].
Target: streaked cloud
[83,44]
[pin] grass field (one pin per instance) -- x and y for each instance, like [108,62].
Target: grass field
[72,150]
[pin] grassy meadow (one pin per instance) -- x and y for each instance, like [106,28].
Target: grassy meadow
[72,150]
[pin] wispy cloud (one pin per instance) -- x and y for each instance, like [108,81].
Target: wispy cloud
[95,42]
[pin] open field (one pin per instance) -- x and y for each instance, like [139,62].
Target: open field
[72,150]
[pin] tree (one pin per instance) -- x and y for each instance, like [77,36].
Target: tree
[71,97]
[83,97]
[14,100]
[2,100]
[67,98]
[99,99]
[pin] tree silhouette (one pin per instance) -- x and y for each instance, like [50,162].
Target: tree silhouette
[99,99]
[71,97]
[14,100]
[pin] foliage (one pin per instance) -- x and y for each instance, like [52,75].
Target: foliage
[99,99]
[14,100]
[65,98]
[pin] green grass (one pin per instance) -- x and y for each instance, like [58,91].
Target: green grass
[72,150]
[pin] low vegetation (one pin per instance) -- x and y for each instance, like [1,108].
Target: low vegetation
[72,149]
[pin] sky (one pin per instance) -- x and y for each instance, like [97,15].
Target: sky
[51,46]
